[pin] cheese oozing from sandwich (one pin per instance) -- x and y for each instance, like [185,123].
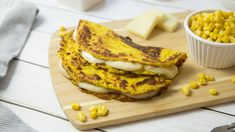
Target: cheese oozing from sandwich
[169,71]
[97,89]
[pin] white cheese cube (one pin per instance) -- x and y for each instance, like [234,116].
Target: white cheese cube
[169,24]
[143,24]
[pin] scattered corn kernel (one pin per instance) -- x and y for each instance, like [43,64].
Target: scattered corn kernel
[94,114]
[201,75]
[186,91]
[233,79]
[93,108]
[102,110]
[62,28]
[193,84]
[217,26]
[210,78]
[61,34]
[75,106]
[213,91]
[82,116]
[202,81]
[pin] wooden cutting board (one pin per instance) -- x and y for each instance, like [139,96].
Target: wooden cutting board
[172,101]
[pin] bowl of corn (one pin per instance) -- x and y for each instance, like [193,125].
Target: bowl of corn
[211,37]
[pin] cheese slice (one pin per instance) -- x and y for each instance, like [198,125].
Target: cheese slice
[129,66]
[143,24]
[91,59]
[169,24]
[96,89]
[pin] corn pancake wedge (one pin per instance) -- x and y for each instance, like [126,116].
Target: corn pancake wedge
[105,44]
[105,93]
[80,70]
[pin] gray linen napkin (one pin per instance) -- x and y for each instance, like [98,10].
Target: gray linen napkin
[10,122]
[14,29]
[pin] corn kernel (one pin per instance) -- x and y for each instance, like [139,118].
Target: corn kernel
[217,26]
[93,108]
[61,34]
[218,40]
[201,75]
[206,28]
[193,84]
[210,78]
[219,13]
[227,30]
[207,32]
[213,36]
[233,79]
[82,116]
[231,13]
[186,91]
[226,39]
[209,39]
[216,30]
[102,110]
[75,106]
[205,36]
[93,114]
[213,91]
[202,81]
[232,39]
[198,32]
[62,28]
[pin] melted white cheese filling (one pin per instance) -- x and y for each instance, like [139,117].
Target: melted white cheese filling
[75,34]
[128,66]
[96,89]
[88,57]
[169,72]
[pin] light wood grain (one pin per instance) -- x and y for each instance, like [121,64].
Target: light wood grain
[169,102]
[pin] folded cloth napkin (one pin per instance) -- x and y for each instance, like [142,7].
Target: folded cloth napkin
[10,122]
[14,31]
[15,27]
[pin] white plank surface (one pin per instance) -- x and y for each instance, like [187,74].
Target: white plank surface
[188,4]
[111,9]
[30,85]
[36,49]
[50,19]
[192,121]
[40,121]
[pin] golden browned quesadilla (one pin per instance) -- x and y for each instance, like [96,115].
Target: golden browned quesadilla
[109,66]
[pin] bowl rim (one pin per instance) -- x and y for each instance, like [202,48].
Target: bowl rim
[186,27]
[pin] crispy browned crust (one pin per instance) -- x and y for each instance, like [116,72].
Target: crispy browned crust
[81,71]
[103,43]
[119,97]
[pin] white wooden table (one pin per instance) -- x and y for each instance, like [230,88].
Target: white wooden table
[28,91]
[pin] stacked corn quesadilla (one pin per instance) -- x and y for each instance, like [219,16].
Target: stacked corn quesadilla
[110,66]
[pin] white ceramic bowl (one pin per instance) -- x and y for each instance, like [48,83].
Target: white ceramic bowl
[208,53]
